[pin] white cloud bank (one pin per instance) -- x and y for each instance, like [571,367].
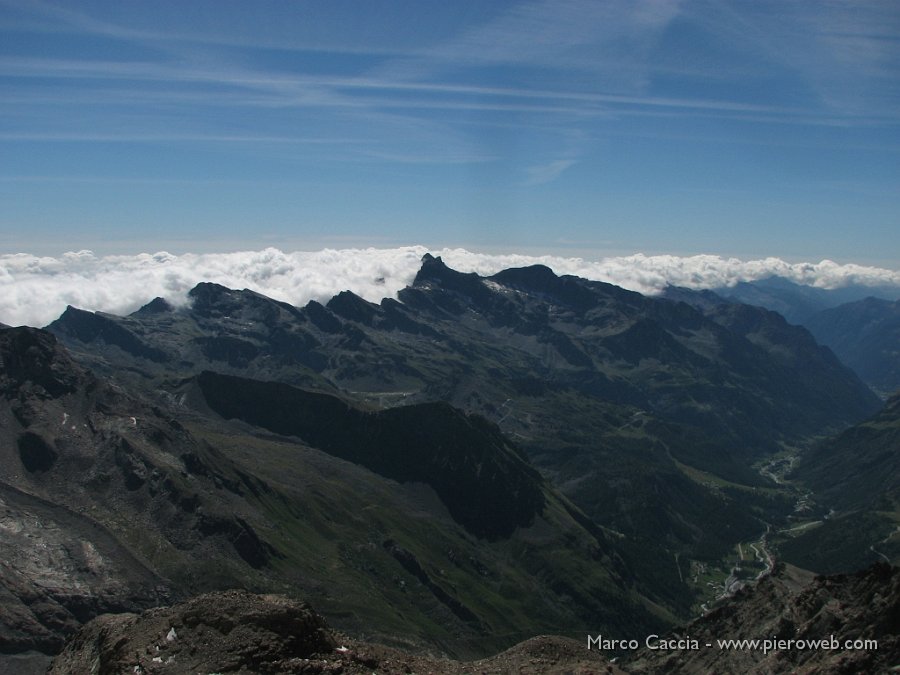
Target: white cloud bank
[35,290]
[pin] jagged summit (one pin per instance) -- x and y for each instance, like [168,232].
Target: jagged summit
[156,306]
[208,289]
[433,268]
[435,273]
[214,302]
[350,306]
[322,317]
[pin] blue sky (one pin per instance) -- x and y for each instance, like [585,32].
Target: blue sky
[572,127]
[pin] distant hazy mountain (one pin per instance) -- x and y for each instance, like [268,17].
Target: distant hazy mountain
[860,324]
[866,336]
[796,302]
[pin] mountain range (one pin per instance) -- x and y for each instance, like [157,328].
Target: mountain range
[861,324]
[866,336]
[479,460]
[798,302]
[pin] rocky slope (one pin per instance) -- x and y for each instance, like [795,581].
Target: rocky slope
[844,610]
[865,335]
[487,486]
[237,632]
[111,503]
[60,567]
[861,324]
[855,475]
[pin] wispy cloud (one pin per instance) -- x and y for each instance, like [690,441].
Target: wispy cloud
[556,36]
[546,173]
[538,34]
[564,44]
[845,54]
[34,290]
[173,138]
[539,88]
[835,46]
[283,89]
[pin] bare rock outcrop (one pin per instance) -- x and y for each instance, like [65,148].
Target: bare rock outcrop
[846,623]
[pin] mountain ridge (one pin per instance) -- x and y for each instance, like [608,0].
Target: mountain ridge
[596,384]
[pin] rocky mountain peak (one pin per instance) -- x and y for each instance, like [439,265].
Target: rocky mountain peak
[209,298]
[102,328]
[33,355]
[541,280]
[435,274]
[432,269]
[533,277]
[155,306]
[350,306]
[236,631]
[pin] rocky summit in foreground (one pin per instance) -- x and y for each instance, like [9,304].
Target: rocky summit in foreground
[239,632]
[837,624]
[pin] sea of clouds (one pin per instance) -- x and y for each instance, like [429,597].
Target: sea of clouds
[35,290]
